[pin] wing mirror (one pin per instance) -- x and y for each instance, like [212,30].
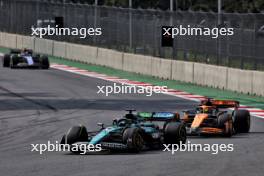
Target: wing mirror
[101,125]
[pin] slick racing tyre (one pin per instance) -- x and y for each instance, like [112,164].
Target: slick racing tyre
[132,137]
[174,133]
[75,134]
[6,61]
[225,122]
[241,120]
[44,61]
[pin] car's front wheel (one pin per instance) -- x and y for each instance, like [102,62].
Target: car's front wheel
[44,60]
[241,121]
[225,122]
[132,137]
[75,134]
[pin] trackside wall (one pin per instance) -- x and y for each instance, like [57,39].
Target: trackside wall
[244,81]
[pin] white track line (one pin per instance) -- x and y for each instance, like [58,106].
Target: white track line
[172,92]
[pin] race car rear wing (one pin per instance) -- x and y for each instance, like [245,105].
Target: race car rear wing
[158,116]
[225,103]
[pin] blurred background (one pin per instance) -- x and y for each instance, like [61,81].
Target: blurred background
[134,26]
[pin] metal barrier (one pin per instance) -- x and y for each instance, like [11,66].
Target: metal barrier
[139,31]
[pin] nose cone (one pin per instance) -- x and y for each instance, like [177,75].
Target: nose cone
[198,119]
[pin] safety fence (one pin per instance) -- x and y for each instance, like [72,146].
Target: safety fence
[138,31]
[245,81]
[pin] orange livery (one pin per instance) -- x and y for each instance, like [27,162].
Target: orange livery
[218,117]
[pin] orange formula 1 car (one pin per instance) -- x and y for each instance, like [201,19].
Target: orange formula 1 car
[218,117]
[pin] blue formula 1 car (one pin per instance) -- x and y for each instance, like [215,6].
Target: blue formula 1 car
[133,132]
[25,59]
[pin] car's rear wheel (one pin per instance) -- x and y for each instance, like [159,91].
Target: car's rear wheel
[241,120]
[44,61]
[132,137]
[75,134]
[175,133]
[6,61]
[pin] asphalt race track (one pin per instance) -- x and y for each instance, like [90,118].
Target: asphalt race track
[41,105]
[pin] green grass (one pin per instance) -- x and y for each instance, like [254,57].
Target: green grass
[4,50]
[249,100]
